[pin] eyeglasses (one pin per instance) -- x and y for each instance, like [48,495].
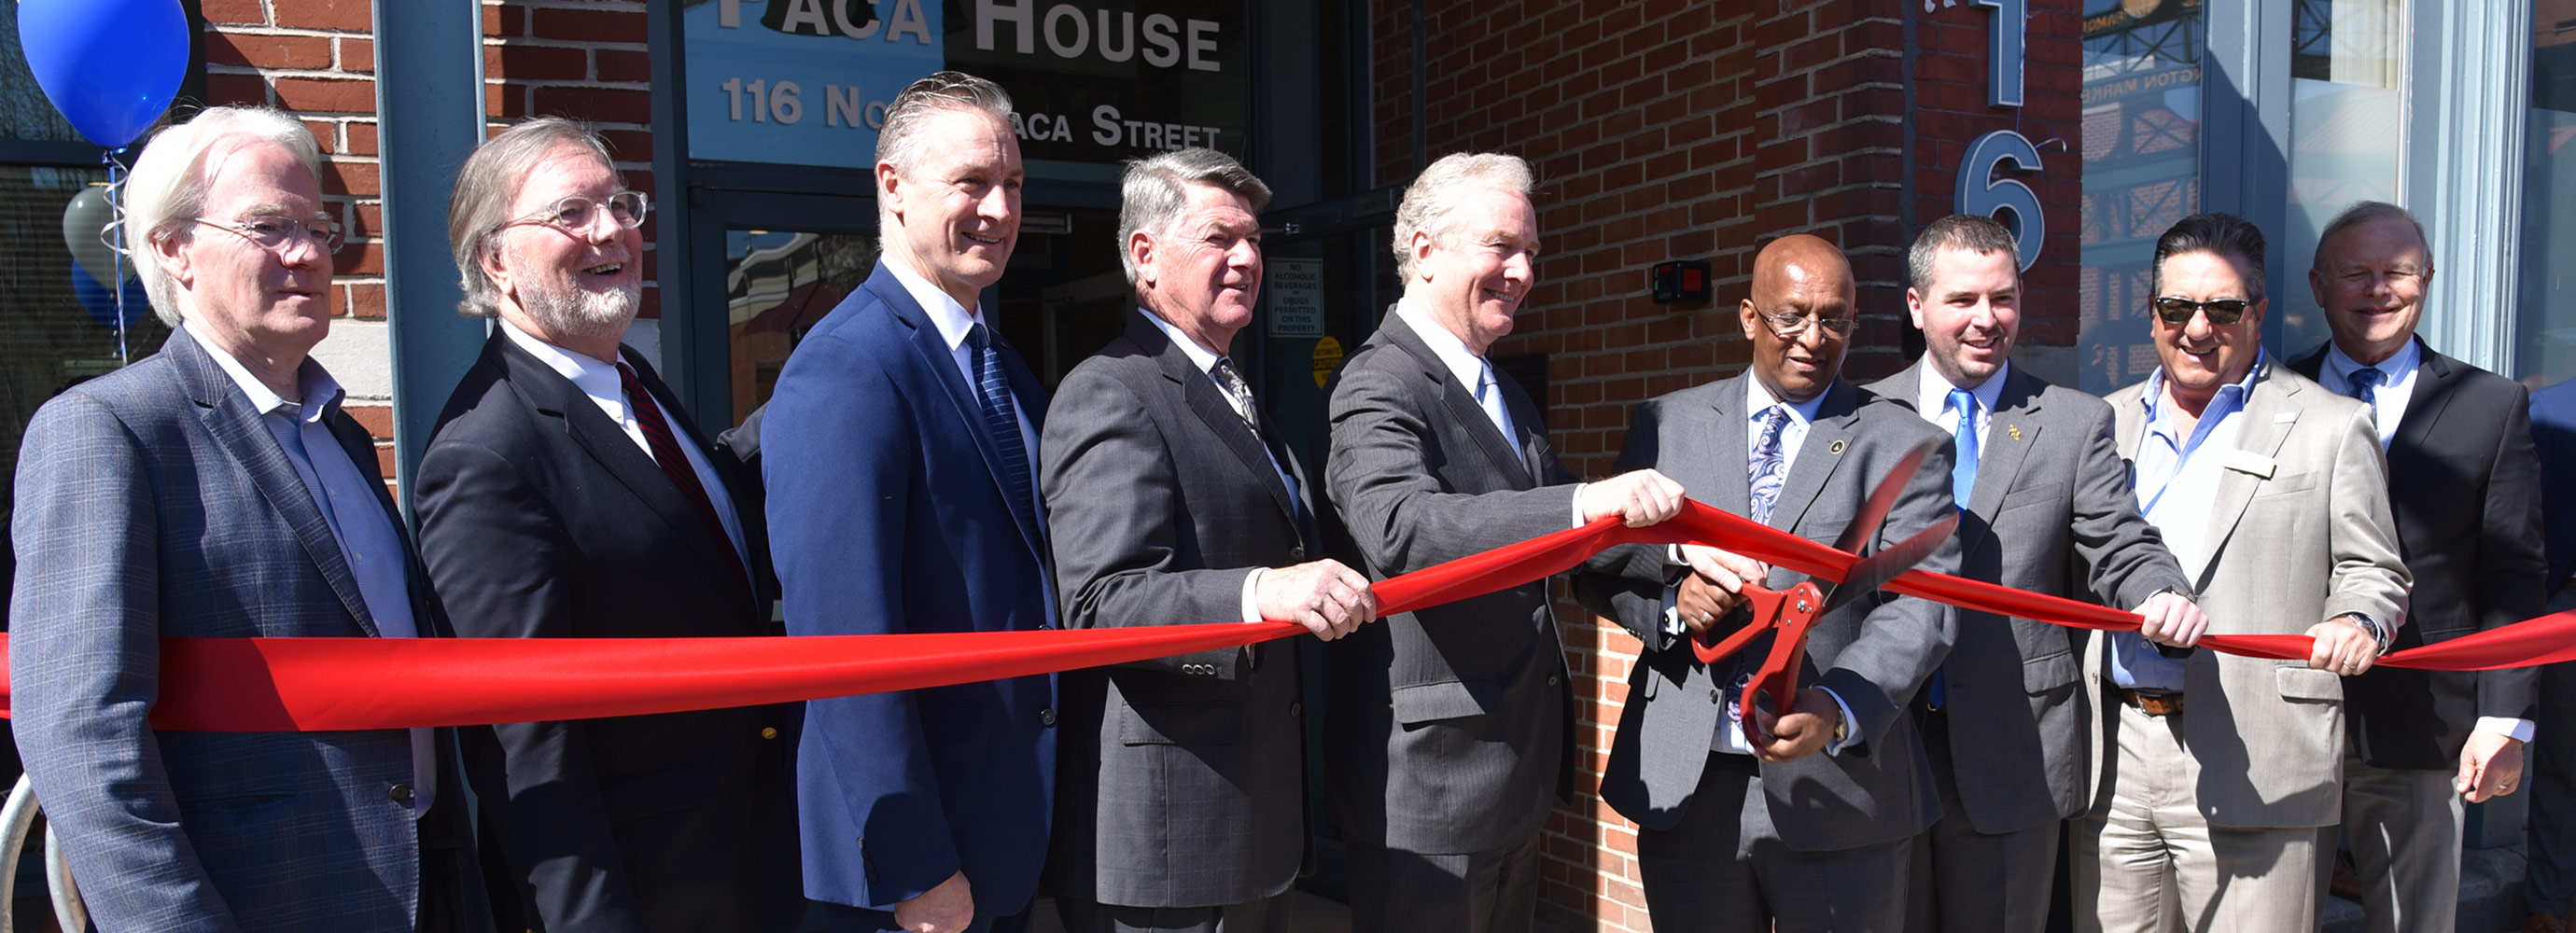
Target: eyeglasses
[1792,326]
[274,233]
[2177,312]
[575,214]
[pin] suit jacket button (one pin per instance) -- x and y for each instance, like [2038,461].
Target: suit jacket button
[401,794]
[1551,680]
[1297,553]
[769,732]
[1046,717]
[1716,696]
[1295,708]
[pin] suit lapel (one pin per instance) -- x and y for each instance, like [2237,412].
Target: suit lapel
[931,351]
[1734,486]
[1200,395]
[2436,380]
[2269,414]
[2010,434]
[1462,404]
[228,417]
[1818,456]
[607,444]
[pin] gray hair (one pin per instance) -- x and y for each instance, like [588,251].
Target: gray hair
[168,185]
[1431,204]
[2368,212]
[1155,193]
[488,184]
[899,141]
[1968,232]
[2218,234]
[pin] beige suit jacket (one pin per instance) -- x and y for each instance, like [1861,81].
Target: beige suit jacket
[2299,533]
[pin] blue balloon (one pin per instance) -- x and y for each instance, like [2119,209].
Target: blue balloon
[110,66]
[101,303]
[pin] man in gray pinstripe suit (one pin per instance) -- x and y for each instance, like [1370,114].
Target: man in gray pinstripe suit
[1451,726]
[1180,789]
[217,490]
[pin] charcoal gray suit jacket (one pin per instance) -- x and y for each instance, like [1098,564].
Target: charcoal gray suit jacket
[2053,512]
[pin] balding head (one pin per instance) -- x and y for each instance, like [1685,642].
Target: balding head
[1802,285]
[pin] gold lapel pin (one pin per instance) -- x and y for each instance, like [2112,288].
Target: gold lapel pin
[1836,448]
[2016,431]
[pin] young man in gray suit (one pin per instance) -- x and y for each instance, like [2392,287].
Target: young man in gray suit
[2464,485]
[2044,506]
[216,490]
[1735,836]
[1180,793]
[2216,775]
[1450,726]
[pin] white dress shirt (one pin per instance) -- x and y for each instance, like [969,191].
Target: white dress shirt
[953,321]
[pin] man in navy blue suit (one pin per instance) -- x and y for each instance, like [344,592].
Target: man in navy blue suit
[898,454]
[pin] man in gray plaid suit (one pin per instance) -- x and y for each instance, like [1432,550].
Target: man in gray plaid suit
[216,489]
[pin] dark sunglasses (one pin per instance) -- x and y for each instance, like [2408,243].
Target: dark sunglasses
[2177,312]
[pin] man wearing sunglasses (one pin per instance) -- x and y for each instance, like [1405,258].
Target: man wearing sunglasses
[2044,506]
[565,494]
[217,490]
[2464,484]
[2215,773]
[1733,835]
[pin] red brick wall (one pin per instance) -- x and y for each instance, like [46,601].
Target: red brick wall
[1950,112]
[316,59]
[1675,130]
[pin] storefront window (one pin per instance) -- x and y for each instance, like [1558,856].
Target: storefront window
[2545,330]
[778,285]
[2347,123]
[2141,170]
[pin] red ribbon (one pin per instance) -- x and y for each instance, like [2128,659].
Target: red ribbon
[317,684]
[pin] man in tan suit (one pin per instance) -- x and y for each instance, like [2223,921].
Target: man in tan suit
[2217,775]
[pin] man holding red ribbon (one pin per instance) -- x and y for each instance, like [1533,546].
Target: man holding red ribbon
[2216,775]
[2464,490]
[2045,507]
[1172,499]
[1450,726]
[1735,836]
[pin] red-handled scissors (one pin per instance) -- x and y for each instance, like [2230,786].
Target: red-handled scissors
[1793,612]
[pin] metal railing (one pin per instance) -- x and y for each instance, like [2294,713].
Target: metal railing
[17,819]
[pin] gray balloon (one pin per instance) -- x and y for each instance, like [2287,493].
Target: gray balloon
[84,219]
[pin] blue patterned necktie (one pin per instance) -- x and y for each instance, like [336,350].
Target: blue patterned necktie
[2365,386]
[1767,464]
[1002,422]
[1963,474]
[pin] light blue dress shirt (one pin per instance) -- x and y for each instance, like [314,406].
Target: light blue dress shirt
[2175,486]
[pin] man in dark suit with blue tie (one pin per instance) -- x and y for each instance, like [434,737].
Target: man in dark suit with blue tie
[2462,482]
[1181,804]
[565,494]
[217,490]
[898,453]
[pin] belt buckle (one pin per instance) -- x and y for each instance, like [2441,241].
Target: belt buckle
[2155,704]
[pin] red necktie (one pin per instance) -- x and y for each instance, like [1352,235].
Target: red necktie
[675,465]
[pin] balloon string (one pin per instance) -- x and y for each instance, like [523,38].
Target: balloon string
[116,233]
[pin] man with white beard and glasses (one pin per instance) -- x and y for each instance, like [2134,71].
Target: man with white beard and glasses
[565,494]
